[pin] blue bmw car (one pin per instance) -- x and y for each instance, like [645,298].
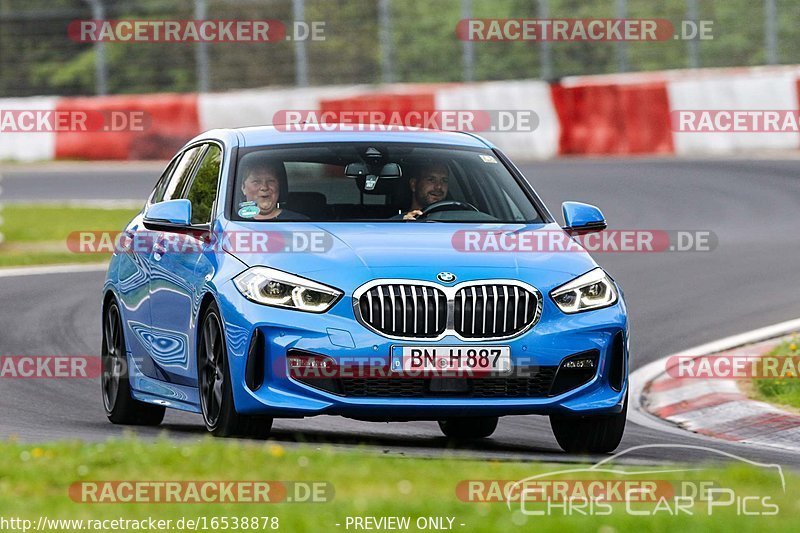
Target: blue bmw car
[376,275]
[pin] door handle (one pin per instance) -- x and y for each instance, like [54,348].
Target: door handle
[159,249]
[126,241]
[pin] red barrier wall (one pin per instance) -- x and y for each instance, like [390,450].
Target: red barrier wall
[384,102]
[169,120]
[614,119]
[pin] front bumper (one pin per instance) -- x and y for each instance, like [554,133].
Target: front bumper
[339,336]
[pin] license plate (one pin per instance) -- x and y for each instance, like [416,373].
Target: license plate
[459,360]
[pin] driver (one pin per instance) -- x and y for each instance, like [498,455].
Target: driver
[428,187]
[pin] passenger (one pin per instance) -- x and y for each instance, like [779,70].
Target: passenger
[262,185]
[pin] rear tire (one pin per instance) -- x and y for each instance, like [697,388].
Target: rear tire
[469,428]
[216,389]
[119,404]
[590,434]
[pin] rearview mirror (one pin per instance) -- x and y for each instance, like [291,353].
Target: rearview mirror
[362,170]
[581,217]
[359,170]
[171,213]
[391,170]
[356,170]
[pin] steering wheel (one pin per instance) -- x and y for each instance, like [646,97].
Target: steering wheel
[448,205]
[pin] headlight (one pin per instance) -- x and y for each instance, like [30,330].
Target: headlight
[593,290]
[280,289]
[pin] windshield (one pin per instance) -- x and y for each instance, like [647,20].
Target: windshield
[347,182]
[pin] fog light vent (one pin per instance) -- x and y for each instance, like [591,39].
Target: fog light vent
[575,371]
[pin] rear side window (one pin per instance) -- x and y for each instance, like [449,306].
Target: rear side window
[203,190]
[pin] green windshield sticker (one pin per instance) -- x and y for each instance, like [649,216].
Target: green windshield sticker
[248,209]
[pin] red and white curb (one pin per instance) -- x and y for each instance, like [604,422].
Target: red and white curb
[715,407]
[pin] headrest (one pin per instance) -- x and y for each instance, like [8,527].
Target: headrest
[311,204]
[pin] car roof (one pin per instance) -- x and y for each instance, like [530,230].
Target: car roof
[272,135]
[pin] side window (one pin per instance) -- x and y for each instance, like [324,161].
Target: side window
[182,173]
[161,185]
[203,190]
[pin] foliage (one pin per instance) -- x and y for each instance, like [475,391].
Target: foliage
[35,48]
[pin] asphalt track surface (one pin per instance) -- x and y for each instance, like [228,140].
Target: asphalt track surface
[676,300]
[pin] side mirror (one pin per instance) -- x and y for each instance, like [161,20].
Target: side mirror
[169,214]
[582,217]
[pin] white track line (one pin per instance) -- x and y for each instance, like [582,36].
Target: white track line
[640,377]
[54,269]
[96,204]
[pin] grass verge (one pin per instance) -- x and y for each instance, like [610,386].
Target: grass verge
[781,391]
[35,482]
[36,234]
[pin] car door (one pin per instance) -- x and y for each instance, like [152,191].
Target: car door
[148,334]
[134,275]
[178,273]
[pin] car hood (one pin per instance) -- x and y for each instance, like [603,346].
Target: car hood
[348,254]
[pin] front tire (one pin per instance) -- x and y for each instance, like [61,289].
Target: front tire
[590,434]
[119,404]
[469,428]
[216,389]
